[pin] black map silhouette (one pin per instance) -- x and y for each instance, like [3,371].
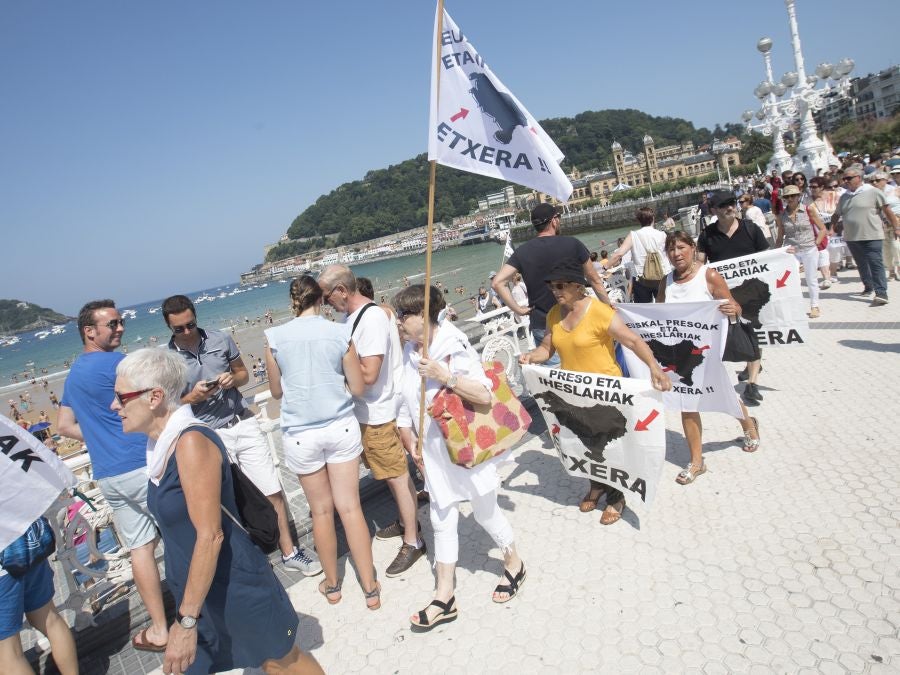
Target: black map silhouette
[752,295]
[679,356]
[595,426]
[499,106]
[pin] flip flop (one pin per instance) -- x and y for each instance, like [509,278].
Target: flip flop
[142,644]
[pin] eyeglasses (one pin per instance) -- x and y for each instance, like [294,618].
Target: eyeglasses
[832,187]
[112,324]
[848,178]
[178,330]
[330,293]
[402,315]
[122,399]
[558,285]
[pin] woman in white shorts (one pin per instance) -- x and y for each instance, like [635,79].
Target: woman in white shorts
[311,364]
[825,202]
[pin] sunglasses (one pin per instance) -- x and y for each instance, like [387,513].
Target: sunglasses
[178,330]
[848,178]
[725,205]
[558,285]
[112,324]
[122,399]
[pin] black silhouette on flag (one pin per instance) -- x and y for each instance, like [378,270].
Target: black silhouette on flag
[682,357]
[497,105]
[595,426]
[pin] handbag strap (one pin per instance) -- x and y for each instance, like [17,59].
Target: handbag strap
[235,520]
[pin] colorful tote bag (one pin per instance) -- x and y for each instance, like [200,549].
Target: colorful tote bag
[476,433]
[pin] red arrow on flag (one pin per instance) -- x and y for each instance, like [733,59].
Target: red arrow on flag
[782,282]
[533,131]
[643,424]
[555,429]
[461,114]
[668,369]
[699,350]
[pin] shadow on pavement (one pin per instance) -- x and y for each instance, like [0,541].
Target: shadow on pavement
[870,346]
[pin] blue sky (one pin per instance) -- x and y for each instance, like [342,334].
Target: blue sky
[154,148]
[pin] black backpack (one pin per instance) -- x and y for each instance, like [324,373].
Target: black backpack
[257,515]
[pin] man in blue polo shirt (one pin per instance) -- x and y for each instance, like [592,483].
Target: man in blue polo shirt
[118,460]
[215,373]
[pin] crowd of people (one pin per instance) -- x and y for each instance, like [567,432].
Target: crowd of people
[168,430]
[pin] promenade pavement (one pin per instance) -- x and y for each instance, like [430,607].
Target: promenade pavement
[782,561]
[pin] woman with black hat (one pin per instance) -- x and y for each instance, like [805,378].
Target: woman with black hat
[582,330]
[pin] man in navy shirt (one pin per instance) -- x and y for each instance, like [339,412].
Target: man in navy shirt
[118,460]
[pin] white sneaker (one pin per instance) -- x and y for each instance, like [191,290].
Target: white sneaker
[834,280]
[304,560]
[824,284]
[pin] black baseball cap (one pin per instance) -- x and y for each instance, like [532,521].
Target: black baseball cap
[721,197]
[542,213]
[567,270]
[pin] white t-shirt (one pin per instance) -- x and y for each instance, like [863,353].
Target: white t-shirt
[372,337]
[654,239]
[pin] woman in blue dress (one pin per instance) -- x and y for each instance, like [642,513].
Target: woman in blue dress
[231,610]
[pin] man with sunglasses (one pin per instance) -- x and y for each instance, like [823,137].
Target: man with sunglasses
[215,373]
[860,209]
[733,237]
[118,460]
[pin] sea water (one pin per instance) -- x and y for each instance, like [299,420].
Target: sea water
[467,266]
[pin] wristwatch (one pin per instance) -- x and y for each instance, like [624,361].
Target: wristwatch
[187,622]
[452,381]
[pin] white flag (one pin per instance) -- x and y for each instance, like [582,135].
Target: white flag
[508,249]
[31,478]
[477,125]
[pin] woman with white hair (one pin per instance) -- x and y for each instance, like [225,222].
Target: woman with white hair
[231,611]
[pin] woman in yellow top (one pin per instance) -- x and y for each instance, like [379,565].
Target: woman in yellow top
[582,330]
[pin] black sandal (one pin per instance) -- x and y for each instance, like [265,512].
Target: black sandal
[448,613]
[512,588]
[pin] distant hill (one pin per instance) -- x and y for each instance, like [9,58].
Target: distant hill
[16,316]
[396,199]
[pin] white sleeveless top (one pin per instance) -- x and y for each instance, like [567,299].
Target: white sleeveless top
[695,290]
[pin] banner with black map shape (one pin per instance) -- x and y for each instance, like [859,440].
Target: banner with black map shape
[687,339]
[767,286]
[476,124]
[609,429]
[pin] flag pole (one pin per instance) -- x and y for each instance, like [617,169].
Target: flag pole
[429,230]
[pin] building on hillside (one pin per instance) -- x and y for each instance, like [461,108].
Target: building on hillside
[506,197]
[669,163]
[869,97]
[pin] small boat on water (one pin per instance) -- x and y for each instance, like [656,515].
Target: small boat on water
[58,330]
[129,314]
[153,310]
[42,334]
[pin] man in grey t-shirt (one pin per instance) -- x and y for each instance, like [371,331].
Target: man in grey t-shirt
[215,373]
[860,209]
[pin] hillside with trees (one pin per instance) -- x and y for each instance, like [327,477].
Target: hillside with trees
[16,316]
[395,199]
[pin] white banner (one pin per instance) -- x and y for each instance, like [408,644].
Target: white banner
[767,286]
[609,429]
[687,339]
[31,478]
[477,125]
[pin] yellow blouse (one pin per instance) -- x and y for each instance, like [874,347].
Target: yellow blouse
[588,348]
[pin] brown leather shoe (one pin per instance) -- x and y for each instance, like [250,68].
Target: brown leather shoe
[406,557]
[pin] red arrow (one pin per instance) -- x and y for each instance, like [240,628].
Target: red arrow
[533,131]
[782,282]
[668,369]
[699,350]
[461,114]
[555,429]
[643,424]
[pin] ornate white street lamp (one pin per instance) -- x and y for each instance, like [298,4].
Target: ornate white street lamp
[803,98]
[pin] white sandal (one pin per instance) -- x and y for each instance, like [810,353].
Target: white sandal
[690,473]
[752,444]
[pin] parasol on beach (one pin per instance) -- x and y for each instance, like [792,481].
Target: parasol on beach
[39,430]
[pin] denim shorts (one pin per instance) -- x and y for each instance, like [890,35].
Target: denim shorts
[22,595]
